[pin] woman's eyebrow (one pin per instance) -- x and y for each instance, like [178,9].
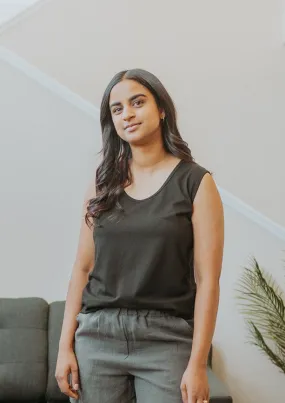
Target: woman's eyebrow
[130,99]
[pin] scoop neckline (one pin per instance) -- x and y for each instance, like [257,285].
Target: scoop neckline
[161,187]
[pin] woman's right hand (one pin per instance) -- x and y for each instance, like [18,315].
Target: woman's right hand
[66,365]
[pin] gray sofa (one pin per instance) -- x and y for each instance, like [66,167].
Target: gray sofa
[29,334]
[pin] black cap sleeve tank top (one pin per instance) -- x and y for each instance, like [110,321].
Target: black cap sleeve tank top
[144,260]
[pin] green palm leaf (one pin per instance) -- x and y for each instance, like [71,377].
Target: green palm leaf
[258,340]
[261,301]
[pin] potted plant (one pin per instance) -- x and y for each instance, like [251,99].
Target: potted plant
[262,303]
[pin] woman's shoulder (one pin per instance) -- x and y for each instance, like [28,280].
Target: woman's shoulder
[194,172]
[194,168]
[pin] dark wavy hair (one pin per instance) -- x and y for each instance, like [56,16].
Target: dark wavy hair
[113,174]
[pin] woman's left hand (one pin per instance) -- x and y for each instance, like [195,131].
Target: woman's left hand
[194,385]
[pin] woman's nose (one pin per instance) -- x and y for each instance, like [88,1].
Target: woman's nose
[128,113]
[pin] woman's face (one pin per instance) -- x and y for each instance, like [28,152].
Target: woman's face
[134,112]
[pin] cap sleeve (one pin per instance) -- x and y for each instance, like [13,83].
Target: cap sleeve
[197,173]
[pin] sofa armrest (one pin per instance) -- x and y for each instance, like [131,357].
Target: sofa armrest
[218,390]
[56,312]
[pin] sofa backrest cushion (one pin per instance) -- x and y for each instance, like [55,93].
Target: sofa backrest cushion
[23,348]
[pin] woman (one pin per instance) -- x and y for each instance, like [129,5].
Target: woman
[144,289]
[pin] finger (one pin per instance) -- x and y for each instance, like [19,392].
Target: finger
[184,394]
[75,379]
[65,388]
[203,400]
[68,392]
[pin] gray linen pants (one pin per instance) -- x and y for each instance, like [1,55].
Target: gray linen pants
[128,355]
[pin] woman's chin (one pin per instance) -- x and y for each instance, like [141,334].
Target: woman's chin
[135,137]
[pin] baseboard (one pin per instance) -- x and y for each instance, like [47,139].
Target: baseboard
[252,214]
[48,82]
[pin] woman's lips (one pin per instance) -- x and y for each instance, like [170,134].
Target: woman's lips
[132,128]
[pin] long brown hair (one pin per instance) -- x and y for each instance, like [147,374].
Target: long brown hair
[113,174]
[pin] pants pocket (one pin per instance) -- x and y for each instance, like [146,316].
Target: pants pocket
[188,324]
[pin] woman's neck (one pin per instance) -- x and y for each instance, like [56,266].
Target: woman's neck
[148,160]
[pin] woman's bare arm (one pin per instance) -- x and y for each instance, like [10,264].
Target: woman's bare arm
[83,264]
[208,226]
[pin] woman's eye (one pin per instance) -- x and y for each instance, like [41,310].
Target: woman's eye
[138,102]
[116,110]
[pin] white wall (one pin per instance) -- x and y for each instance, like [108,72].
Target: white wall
[47,156]
[249,374]
[223,61]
